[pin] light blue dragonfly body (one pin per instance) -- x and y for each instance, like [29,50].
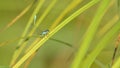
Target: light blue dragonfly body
[44,33]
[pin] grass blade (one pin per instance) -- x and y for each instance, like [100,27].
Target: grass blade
[71,6]
[89,35]
[42,41]
[91,57]
[17,52]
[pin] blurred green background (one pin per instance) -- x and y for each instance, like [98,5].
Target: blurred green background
[53,54]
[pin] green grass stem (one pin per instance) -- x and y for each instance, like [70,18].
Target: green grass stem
[89,35]
[101,45]
[43,40]
[17,51]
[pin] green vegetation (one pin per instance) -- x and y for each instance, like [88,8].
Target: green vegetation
[59,34]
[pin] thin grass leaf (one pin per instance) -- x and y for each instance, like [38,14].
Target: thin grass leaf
[106,27]
[42,41]
[101,45]
[16,18]
[9,42]
[38,23]
[17,52]
[29,60]
[32,45]
[89,35]
[41,19]
[71,6]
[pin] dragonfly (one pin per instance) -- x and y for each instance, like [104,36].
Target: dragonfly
[41,35]
[46,31]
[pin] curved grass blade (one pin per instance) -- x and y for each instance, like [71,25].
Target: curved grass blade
[107,27]
[32,56]
[89,35]
[11,41]
[40,21]
[29,60]
[71,6]
[101,45]
[43,40]
[17,52]
[16,18]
